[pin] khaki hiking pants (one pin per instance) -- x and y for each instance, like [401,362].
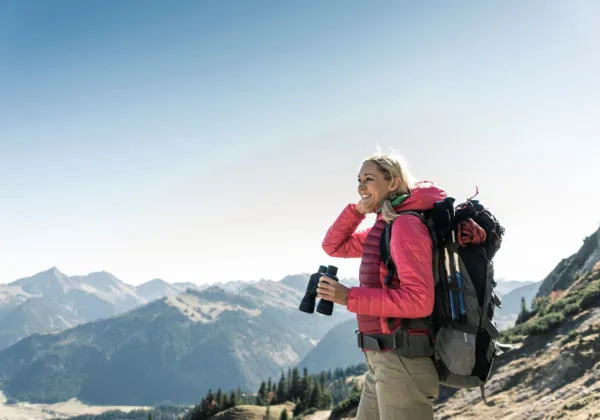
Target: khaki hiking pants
[398,388]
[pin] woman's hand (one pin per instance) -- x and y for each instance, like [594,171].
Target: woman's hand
[365,206]
[332,290]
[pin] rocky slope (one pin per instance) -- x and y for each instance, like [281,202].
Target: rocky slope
[569,269]
[35,315]
[174,349]
[11,297]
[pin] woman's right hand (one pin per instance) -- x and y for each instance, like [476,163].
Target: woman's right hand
[364,206]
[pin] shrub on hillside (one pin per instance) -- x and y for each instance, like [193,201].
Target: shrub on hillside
[572,336]
[344,406]
[591,296]
[510,337]
[545,323]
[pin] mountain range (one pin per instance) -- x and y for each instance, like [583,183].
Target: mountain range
[52,301]
[504,286]
[171,349]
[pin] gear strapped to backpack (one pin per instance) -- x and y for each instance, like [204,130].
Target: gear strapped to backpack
[461,328]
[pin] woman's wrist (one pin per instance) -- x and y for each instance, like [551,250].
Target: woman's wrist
[357,210]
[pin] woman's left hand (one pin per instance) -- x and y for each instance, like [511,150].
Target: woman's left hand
[332,290]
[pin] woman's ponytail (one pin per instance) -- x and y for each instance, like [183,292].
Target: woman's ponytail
[387,211]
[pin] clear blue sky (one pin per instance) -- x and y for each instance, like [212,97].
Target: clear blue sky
[214,140]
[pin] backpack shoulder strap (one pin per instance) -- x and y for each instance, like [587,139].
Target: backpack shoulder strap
[384,245]
[386,257]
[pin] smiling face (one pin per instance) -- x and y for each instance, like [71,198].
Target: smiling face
[374,186]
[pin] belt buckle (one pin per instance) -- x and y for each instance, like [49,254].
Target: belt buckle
[359,338]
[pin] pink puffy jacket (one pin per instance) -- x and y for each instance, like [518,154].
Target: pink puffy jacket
[411,249]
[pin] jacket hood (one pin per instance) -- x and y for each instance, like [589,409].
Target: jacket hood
[423,196]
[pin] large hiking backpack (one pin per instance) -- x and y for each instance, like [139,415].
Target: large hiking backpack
[462,330]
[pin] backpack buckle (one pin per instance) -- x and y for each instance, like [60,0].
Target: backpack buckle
[359,338]
[398,339]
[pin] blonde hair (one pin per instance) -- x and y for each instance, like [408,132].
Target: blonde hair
[392,166]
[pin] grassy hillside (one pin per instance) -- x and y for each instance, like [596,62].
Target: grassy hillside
[254,412]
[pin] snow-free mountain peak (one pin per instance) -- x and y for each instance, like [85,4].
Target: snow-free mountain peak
[158,288]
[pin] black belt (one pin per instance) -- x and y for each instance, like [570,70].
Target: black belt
[380,341]
[408,345]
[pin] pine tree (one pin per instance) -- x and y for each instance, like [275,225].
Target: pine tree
[202,411]
[198,411]
[282,390]
[226,402]
[323,380]
[524,313]
[232,399]
[305,388]
[269,385]
[149,416]
[284,415]
[326,400]
[295,385]
[262,394]
[210,396]
[316,397]
[219,400]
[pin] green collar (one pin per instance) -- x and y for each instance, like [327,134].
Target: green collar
[395,202]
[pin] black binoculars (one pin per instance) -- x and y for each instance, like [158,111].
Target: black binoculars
[324,307]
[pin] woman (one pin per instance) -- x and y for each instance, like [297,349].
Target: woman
[396,386]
